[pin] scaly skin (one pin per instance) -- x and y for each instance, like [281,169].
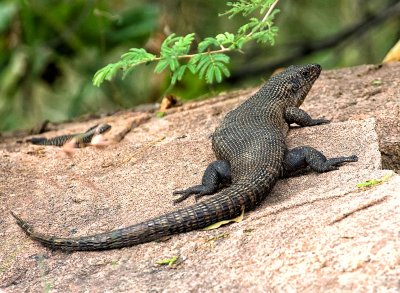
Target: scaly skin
[81,139]
[251,155]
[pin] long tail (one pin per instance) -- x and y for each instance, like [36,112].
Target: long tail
[38,140]
[225,205]
[55,141]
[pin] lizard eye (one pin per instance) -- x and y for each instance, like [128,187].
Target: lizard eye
[305,73]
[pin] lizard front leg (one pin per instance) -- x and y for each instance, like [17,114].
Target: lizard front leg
[300,117]
[298,159]
[217,174]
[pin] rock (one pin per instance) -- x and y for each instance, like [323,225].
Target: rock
[361,92]
[317,232]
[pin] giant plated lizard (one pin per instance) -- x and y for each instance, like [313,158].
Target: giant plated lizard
[251,154]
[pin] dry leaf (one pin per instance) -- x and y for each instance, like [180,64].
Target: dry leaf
[393,54]
[238,219]
[167,102]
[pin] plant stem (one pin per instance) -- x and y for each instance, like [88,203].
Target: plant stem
[264,18]
[223,49]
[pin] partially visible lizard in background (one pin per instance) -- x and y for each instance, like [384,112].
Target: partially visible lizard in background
[251,155]
[80,139]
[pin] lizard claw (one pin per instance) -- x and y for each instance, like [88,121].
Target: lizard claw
[198,196]
[180,199]
[198,190]
[184,194]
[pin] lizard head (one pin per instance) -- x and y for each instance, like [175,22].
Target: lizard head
[298,80]
[103,128]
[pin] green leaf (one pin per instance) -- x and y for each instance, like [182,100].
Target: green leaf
[225,71]
[217,74]
[172,48]
[210,67]
[165,46]
[208,64]
[128,60]
[178,74]
[191,65]
[137,55]
[225,39]
[207,42]
[210,74]
[181,71]
[373,182]
[202,64]
[220,57]
[168,261]
[173,63]
[161,65]
[107,73]
[238,219]
[182,44]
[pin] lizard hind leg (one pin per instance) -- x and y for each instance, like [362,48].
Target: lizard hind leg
[298,159]
[217,174]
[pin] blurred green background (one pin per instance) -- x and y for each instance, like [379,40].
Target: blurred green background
[50,50]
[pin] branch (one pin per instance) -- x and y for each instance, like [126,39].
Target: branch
[306,49]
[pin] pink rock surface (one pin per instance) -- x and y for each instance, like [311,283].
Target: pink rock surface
[317,232]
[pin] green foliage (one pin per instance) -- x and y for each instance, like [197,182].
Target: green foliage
[128,60]
[210,61]
[246,7]
[50,51]
[373,182]
[211,66]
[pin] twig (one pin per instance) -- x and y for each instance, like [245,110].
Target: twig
[305,49]
[264,18]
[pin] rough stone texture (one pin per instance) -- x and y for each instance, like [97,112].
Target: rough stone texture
[362,92]
[317,232]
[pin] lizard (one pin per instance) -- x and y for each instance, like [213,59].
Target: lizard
[251,155]
[81,139]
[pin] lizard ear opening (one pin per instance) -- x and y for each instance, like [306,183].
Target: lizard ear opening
[294,86]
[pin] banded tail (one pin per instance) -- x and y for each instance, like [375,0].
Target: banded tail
[81,139]
[226,205]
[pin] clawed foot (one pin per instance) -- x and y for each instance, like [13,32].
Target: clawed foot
[199,191]
[184,195]
[349,159]
[335,163]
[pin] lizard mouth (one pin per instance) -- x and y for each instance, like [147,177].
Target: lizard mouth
[315,71]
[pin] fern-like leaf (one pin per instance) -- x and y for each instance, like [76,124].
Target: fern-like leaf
[106,73]
[133,58]
[206,43]
[210,62]
[182,44]
[127,63]
[212,66]
[226,39]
